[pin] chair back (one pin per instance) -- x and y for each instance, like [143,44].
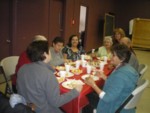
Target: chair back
[137,93]
[142,69]
[9,65]
[133,99]
[3,79]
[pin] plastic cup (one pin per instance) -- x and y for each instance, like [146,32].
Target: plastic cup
[105,59]
[89,69]
[84,63]
[93,50]
[77,64]
[101,66]
[62,74]
[67,67]
[82,57]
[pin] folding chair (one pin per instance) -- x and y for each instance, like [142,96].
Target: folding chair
[142,69]
[4,79]
[133,99]
[9,65]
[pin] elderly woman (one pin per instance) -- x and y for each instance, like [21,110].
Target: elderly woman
[118,33]
[105,50]
[73,50]
[37,83]
[119,85]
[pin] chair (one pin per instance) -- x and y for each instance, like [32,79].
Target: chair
[9,65]
[133,99]
[4,79]
[142,69]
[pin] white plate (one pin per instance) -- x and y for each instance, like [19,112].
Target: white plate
[60,68]
[60,79]
[87,57]
[67,75]
[98,58]
[76,71]
[95,78]
[71,83]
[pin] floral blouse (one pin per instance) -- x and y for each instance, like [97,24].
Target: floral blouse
[73,55]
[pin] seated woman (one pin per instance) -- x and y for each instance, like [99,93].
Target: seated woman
[73,50]
[105,50]
[37,83]
[118,33]
[119,85]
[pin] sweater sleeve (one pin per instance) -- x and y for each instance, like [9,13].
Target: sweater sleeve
[53,93]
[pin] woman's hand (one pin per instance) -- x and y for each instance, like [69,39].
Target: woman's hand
[100,74]
[92,83]
[110,66]
[89,81]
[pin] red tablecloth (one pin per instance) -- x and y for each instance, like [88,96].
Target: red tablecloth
[78,103]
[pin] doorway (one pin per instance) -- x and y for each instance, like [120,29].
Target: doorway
[57,18]
[5,41]
[82,24]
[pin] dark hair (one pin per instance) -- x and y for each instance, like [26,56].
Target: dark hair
[58,40]
[36,50]
[70,39]
[122,51]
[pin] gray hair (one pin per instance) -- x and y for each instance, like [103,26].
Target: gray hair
[108,38]
[39,38]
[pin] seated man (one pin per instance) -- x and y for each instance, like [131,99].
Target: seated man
[37,83]
[23,59]
[56,53]
[133,61]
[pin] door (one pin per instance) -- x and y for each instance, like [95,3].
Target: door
[5,41]
[30,18]
[56,18]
